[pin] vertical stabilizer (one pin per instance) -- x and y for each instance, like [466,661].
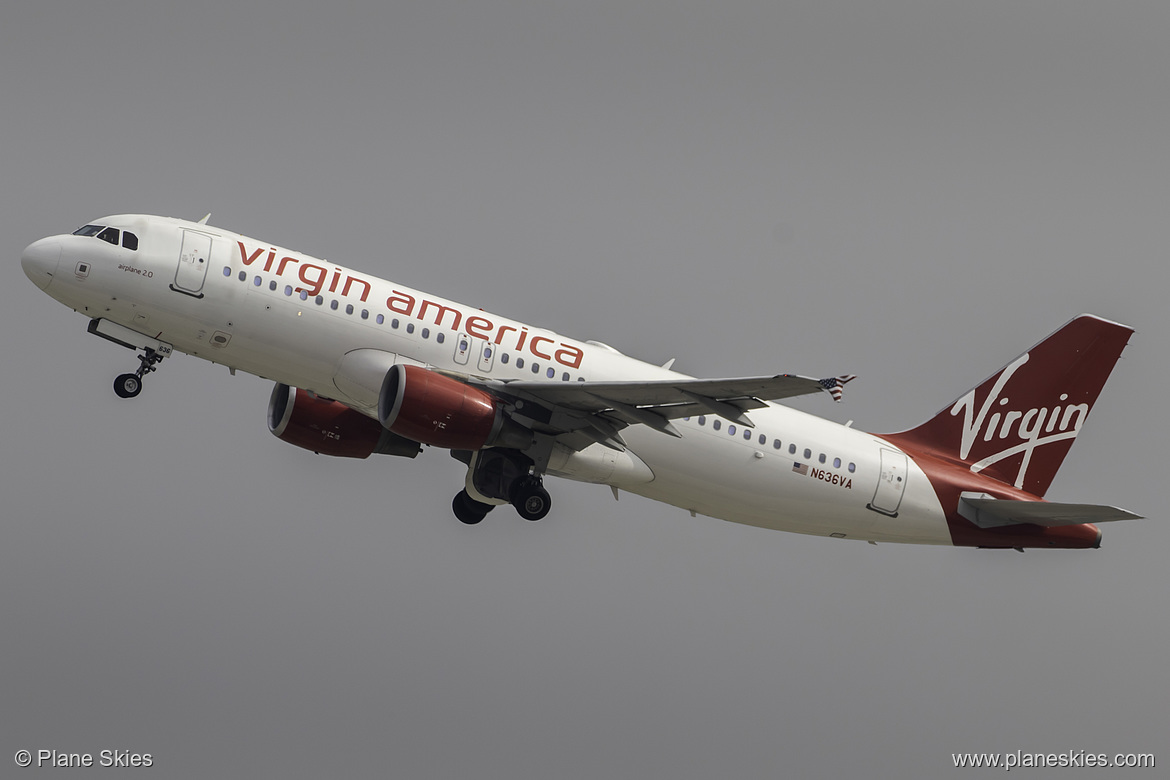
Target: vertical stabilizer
[1018,425]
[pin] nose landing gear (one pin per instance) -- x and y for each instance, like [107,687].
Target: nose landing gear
[130,385]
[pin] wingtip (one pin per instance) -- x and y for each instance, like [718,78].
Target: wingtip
[835,385]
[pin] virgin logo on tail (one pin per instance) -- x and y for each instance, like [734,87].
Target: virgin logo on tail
[1017,427]
[1034,427]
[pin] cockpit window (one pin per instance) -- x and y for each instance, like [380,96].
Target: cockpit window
[109,234]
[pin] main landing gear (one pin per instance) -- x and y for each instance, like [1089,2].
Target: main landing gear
[506,476]
[130,385]
[468,510]
[531,500]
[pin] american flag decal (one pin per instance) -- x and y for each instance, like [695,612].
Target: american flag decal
[800,468]
[835,385]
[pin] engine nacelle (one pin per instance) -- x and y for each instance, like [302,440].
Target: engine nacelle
[330,428]
[434,409]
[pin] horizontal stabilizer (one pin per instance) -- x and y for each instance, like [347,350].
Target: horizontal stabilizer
[987,512]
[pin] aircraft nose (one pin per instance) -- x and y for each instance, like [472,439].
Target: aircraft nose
[39,260]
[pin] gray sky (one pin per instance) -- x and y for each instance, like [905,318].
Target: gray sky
[911,191]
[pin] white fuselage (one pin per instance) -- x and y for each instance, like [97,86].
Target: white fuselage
[312,324]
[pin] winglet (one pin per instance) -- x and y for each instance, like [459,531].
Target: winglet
[835,385]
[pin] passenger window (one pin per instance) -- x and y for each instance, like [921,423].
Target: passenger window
[426,333]
[716,424]
[319,300]
[536,368]
[379,319]
[852,468]
[731,429]
[272,285]
[836,463]
[763,439]
[365,314]
[821,458]
[776,444]
[130,241]
[791,449]
[109,235]
[349,308]
[304,295]
[439,337]
[552,372]
[394,323]
[747,436]
[257,282]
[243,276]
[565,377]
[519,362]
[410,327]
[227,271]
[702,419]
[807,453]
[288,290]
[504,358]
[333,305]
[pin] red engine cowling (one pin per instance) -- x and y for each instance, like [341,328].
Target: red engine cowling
[330,428]
[443,412]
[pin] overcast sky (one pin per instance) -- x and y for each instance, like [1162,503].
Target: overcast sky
[914,192]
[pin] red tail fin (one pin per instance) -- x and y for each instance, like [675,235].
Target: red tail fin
[1018,425]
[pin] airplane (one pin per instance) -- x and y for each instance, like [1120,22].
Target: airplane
[363,365]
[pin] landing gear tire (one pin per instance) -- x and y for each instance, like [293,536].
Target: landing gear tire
[467,509]
[128,385]
[531,500]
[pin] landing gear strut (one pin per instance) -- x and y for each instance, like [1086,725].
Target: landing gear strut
[130,385]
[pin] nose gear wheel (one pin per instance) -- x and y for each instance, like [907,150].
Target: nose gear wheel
[130,385]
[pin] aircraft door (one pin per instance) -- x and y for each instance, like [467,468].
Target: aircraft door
[487,355]
[462,348]
[891,484]
[194,257]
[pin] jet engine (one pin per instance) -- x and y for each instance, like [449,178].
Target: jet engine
[330,428]
[434,409]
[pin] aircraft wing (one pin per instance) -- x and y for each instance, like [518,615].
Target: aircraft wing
[579,413]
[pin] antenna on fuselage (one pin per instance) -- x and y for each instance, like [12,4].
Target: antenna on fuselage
[204,220]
